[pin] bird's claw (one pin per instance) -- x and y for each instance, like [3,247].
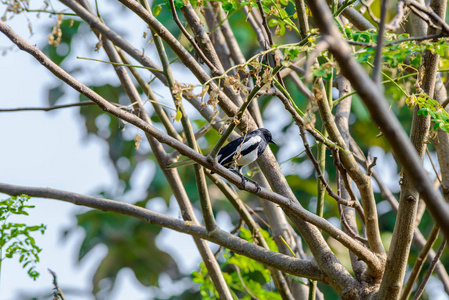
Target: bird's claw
[257,187]
[245,179]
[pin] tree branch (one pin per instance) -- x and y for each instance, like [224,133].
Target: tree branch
[190,38]
[381,114]
[294,266]
[362,180]
[49,108]
[429,272]
[407,290]
[376,75]
[428,10]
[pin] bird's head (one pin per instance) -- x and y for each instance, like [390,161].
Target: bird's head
[267,135]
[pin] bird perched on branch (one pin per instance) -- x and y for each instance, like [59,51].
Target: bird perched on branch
[240,152]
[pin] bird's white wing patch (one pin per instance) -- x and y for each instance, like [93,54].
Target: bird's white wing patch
[250,142]
[245,145]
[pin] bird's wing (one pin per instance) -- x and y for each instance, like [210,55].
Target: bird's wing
[248,145]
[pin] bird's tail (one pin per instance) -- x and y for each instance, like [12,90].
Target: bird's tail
[182,163]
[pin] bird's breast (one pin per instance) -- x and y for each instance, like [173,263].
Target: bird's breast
[248,158]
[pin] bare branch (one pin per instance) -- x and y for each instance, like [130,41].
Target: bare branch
[354,17]
[279,261]
[190,38]
[382,116]
[351,203]
[431,13]
[362,180]
[57,293]
[50,107]
[303,23]
[162,115]
[348,227]
[407,290]
[376,75]
[367,4]
[429,272]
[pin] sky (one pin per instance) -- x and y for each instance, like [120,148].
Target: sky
[50,149]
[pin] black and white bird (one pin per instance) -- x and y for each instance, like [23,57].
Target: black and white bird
[245,150]
[241,152]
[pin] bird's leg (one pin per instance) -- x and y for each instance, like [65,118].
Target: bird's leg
[244,179]
[255,183]
[238,172]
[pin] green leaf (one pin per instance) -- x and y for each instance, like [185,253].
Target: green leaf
[179,3]
[439,50]
[178,115]
[437,125]
[280,29]
[227,6]
[273,22]
[292,53]
[157,10]
[265,9]
[424,111]
[319,73]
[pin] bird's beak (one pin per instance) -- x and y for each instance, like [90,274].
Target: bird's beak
[273,142]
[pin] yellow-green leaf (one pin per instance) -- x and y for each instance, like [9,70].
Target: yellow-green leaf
[156,10]
[178,115]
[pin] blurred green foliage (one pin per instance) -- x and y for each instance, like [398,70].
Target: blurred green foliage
[131,244]
[246,278]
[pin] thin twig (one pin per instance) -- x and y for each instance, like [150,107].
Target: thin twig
[320,175]
[407,290]
[362,44]
[39,11]
[49,108]
[376,75]
[243,283]
[415,38]
[57,292]
[344,176]
[370,12]
[152,98]
[265,23]
[433,165]
[369,169]
[421,287]
[191,39]
[349,228]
